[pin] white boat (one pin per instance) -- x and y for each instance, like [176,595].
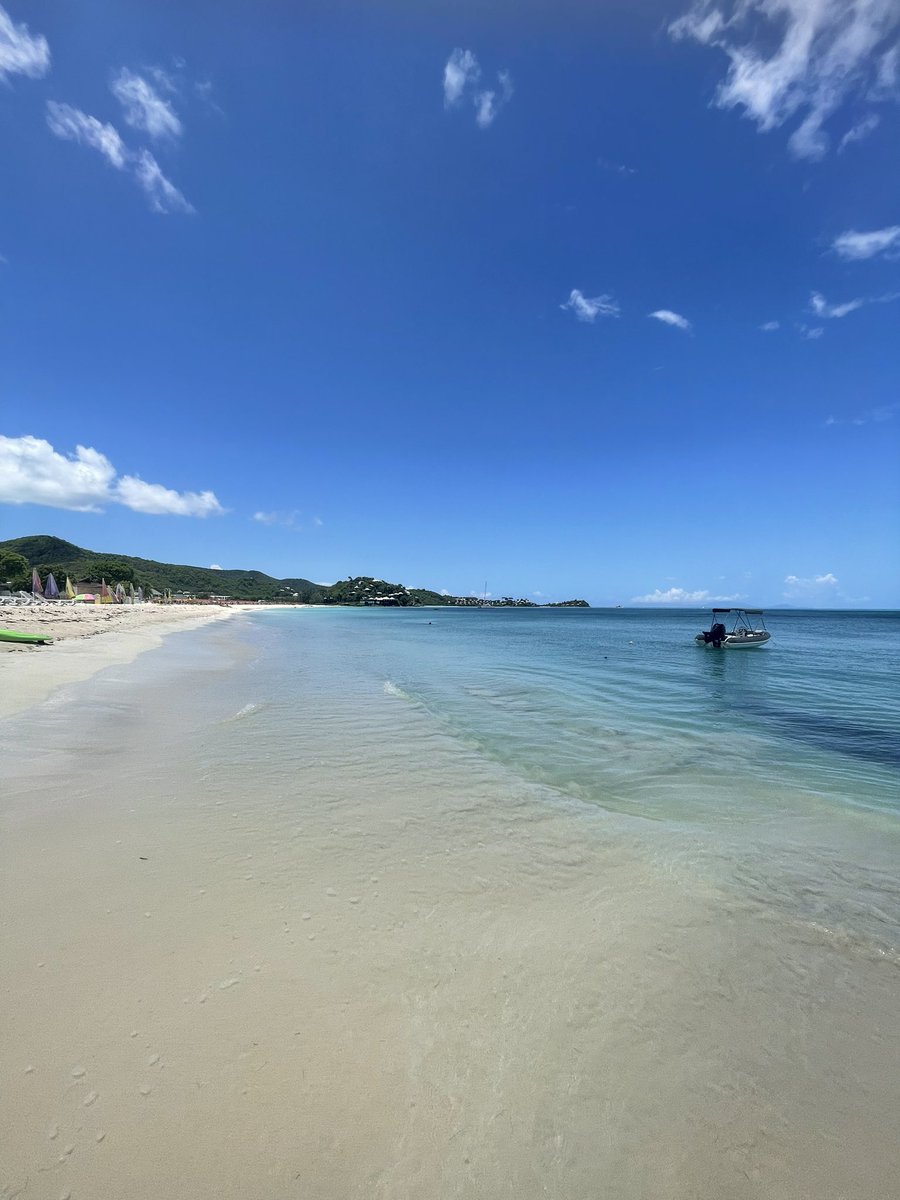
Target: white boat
[743,634]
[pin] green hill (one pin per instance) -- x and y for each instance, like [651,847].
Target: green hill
[63,558]
[19,555]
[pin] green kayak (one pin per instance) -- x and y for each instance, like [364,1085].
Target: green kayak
[30,639]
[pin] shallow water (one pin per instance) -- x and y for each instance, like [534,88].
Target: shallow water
[458,903]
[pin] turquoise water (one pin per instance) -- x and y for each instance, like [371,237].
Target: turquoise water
[612,707]
[772,773]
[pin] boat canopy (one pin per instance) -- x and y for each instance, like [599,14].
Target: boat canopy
[754,612]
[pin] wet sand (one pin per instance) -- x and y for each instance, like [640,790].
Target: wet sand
[87,639]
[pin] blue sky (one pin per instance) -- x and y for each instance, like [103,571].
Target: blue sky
[589,300]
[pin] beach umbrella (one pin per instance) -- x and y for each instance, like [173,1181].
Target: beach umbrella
[36,589]
[70,591]
[51,588]
[131,593]
[140,595]
[104,597]
[120,594]
[85,598]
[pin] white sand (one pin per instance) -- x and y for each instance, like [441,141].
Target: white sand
[366,968]
[29,674]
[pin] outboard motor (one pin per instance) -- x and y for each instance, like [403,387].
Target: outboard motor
[716,635]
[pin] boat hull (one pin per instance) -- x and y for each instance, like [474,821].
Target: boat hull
[734,642]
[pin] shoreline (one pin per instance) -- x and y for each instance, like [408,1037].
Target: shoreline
[29,675]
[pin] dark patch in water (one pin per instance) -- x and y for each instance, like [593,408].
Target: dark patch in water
[875,745]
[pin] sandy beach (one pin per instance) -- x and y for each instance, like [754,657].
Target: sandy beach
[87,639]
[271,928]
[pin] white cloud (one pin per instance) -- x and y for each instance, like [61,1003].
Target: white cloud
[21,52]
[671,318]
[770,326]
[488,103]
[811,333]
[32,472]
[462,74]
[816,586]
[616,168]
[288,520]
[214,567]
[461,71]
[820,306]
[797,59]
[73,125]
[153,498]
[163,195]
[588,308]
[853,245]
[860,132]
[677,595]
[143,107]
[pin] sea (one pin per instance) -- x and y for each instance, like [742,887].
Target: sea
[484,902]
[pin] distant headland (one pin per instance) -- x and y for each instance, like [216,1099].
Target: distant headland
[19,556]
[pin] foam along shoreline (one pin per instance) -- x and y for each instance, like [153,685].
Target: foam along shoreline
[86,640]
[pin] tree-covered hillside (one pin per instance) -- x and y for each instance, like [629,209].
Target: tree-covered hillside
[63,558]
[19,555]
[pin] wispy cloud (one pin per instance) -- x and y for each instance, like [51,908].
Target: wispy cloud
[588,308]
[859,132]
[288,520]
[142,106]
[73,125]
[677,595]
[616,168]
[770,326]
[671,318]
[812,333]
[164,197]
[32,472]
[214,567]
[462,76]
[873,416]
[853,245]
[21,52]
[820,306]
[797,59]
